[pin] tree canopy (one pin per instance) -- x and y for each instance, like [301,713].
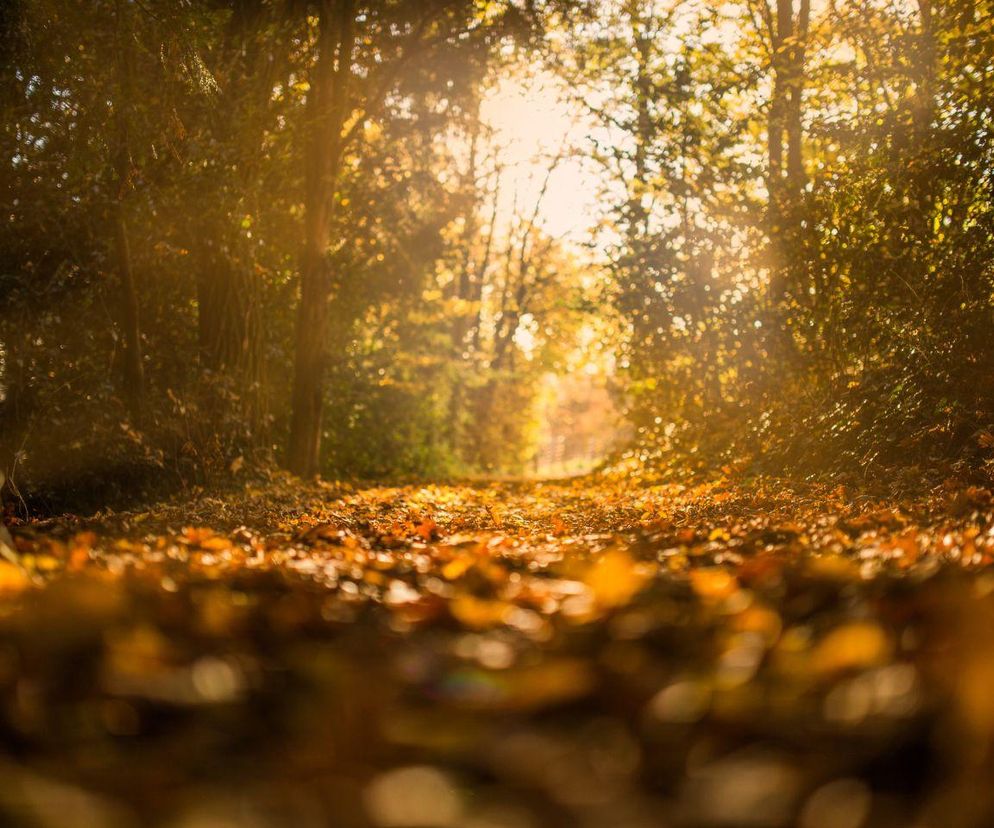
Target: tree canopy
[278,230]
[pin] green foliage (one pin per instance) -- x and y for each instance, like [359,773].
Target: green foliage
[796,235]
[839,317]
[890,287]
[204,107]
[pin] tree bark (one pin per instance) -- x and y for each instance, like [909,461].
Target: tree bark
[227,286]
[794,110]
[780,45]
[132,369]
[133,372]
[785,176]
[228,328]
[644,133]
[327,111]
[466,284]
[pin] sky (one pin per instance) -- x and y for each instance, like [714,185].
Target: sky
[532,124]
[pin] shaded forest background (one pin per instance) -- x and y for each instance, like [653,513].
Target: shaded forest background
[246,231]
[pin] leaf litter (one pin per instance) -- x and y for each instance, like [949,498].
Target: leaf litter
[595,653]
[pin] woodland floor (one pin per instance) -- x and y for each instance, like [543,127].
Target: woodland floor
[503,656]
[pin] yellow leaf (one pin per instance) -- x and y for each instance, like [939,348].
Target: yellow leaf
[615,578]
[834,567]
[456,568]
[496,515]
[12,578]
[479,613]
[854,646]
[713,583]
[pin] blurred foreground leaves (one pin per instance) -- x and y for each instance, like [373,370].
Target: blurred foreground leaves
[595,654]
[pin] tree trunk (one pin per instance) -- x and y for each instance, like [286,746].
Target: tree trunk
[785,133]
[132,369]
[133,372]
[226,283]
[795,130]
[465,285]
[227,325]
[779,99]
[644,126]
[327,110]
[925,66]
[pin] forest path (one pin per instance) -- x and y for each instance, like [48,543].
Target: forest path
[493,656]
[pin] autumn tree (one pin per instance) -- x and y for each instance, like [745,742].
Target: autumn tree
[667,96]
[232,152]
[784,26]
[393,40]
